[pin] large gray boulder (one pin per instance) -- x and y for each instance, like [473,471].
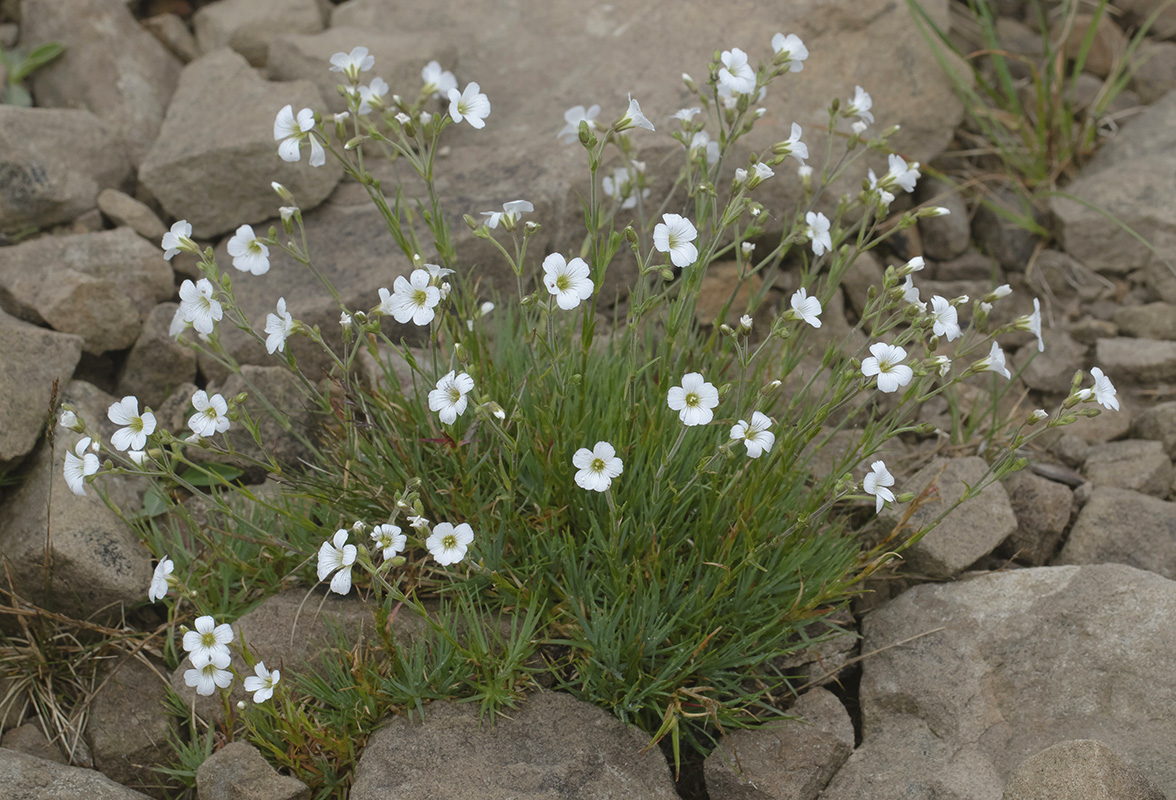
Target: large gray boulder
[248,26]
[25,777]
[1078,769]
[239,772]
[1124,527]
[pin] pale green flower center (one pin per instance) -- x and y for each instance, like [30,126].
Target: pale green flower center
[454,394]
[597,465]
[563,283]
[693,400]
[449,542]
[420,297]
[136,424]
[211,413]
[255,247]
[208,640]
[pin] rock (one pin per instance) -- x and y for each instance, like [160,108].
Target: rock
[276,386]
[1107,426]
[400,55]
[248,26]
[821,664]
[111,66]
[173,33]
[98,285]
[1140,10]
[944,238]
[239,772]
[1125,181]
[1071,449]
[1106,49]
[1019,660]
[1135,464]
[552,745]
[157,363]
[1002,238]
[1079,768]
[1155,71]
[1088,330]
[1043,510]
[55,163]
[1159,424]
[967,533]
[216,157]
[1124,527]
[124,210]
[715,290]
[129,726]
[9,33]
[30,740]
[23,776]
[970,267]
[865,272]
[1146,361]
[35,360]
[786,760]
[1053,369]
[1150,321]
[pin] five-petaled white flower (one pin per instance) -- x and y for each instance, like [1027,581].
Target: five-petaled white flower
[136,428]
[789,50]
[208,640]
[793,146]
[198,306]
[633,118]
[941,363]
[437,81]
[211,415]
[161,579]
[371,97]
[755,435]
[262,682]
[816,229]
[736,74]
[694,400]
[389,539]
[249,255]
[412,298]
[448,543]
[470,105]
[884,197]
[335,555]
[353,63]
[944,318]
[993,362]
[1030,322]
[279,326]
[177,239]
[291,130]
[418,522]
[701,142]
[509,215]
[449,398]
[859,106]
[570,132]
[620,185]
[675,235]
[807,308]
[597,467]
[568,281]
[1104,390]
[885,361]
[901,173]
[209,674]
[79,463]
[877,483]
[686,114]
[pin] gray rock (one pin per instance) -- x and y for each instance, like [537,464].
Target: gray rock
[1021,660]
[1124,527]
[1009,243]
[1140,10]
[1159,424]
[865,272]
[944,238]
[25,777]
[1088,330]
[1155,73]
[216,157]
[129,726]
[248,26]
[1137,360]
[111,66]
[35,359]
[98,285]
[157,363]
[1071,449]
[1135,464]
[1043,510]
[972,530]
[822,663]
[785,760]
[968,267]
[1150,321]
[55,163]
[173,33]
[124,210]
[289,439]
[239,772]
[1108,425]
[1053,369]
[1079,768]
[31,740]
[552,745]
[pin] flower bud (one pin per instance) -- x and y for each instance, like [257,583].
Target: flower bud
[727,330]
[463,355]
[690,84]
[667,274]
[283,192]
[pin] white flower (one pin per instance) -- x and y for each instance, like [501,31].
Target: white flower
[995,362]
[78,465]
[209,674]
[448,543]
[620,186]
[335,555]
[942,364]
[884,197]
[198,306]
[160,580]
[371,97]
[790,50]
[437,81]
[509,215]
[945,318]
[279,327]
[910,293]
[211,414]
[413,299]
[572,119]
[567,280]
[1104,390]
[262,682]
[449,398]
[877,483]
[747,248]
[916,264]
[249,255]
[807,308]
[858,129]
[675,235]
[1038,415]
[793,146]
[436,271]
[755,435]
[418,523]
[291,130]
[287,212]
[470,105]
[702,141]
[817,229]
[736,74]
[344,320]
[1032,323]
[389,539]
[68,419]
[633,118]
[597,467]
[177,239]
[885,361]
[902,174]
[859,106]
[136,428]
[685,114]
[137,456]
[762,173]
[207,641]
[353,63]
[694,399]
